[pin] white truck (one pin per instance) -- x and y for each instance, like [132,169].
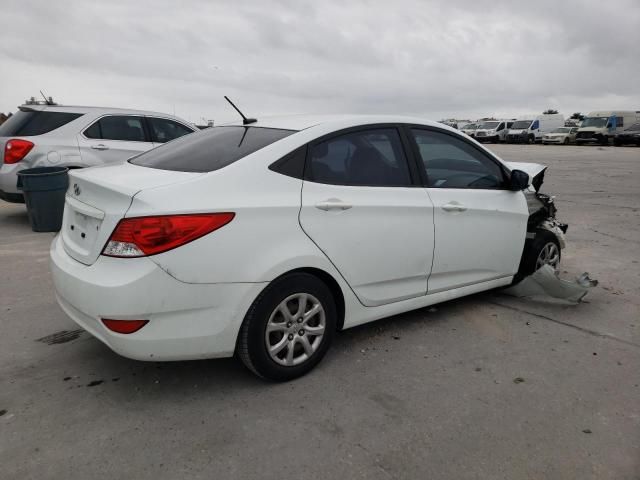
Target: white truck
[598,127]
[492,130]
[531,128]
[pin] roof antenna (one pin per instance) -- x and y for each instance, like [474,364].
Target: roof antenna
[245,120]
[47,101]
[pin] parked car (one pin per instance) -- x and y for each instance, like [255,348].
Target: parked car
[531,128]
[630,135]
[469,129]
[561,136]
[493,131]
[76,137]
[599,127]
[265,239]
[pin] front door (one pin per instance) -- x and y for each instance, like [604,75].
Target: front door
[480,226]
[361,208]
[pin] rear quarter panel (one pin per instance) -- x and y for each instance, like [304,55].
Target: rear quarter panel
[263,241]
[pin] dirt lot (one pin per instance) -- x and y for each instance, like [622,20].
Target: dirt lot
[485,387]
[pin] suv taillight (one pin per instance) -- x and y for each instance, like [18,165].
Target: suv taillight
[15,150]
[142,236]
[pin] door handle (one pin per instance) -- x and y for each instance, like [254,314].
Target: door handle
[333,204]
[454,207]
[100,146]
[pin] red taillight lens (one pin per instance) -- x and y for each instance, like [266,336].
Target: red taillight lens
[124,326]
[15,150]
[142,236]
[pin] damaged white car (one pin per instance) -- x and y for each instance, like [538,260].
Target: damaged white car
[264,238]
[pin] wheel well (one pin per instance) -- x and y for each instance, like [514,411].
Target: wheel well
[336,291]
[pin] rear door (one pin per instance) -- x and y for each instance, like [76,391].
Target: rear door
[113,138]
[480,226]
[361,207]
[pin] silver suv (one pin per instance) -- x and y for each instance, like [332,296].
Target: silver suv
[76,137]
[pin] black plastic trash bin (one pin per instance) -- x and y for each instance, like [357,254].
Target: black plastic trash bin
[44,189]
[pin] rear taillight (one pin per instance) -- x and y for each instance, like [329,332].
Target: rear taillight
[142,236]
[15,150]
[124,326]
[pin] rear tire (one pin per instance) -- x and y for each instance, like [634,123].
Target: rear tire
[281,337]
[542,245]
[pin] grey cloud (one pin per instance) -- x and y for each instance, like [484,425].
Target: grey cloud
[463,58]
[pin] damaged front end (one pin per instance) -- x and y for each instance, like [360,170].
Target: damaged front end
[544,239]
[542,214]
[542,211]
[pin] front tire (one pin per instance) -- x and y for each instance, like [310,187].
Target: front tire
[288,328]
[543,249]
[566,141]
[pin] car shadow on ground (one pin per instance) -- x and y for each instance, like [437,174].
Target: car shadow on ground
[96,366]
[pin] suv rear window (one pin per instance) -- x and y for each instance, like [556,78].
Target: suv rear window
[210,149]
[28,124]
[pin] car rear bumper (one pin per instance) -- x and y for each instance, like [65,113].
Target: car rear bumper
[186,321]
[8,182]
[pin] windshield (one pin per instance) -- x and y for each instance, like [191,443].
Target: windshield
[561,130]
[521,124]
[597,122]
[488,125]
[210,149]
[471,126]
[634,128]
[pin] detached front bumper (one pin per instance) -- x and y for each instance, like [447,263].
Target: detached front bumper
[186,321]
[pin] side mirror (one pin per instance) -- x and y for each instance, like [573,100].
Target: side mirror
[519,180]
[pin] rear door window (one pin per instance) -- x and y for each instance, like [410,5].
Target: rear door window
[164,130]
[210,149]
[118,127]
[451,162]
[31,123]
[364,158]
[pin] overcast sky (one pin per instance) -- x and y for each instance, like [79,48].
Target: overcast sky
[464,59]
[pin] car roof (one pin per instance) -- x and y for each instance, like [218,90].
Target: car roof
[85,109]
[303,122]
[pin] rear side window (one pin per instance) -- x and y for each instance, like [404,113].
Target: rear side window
[450,162]
[210,149]
[28,124]
[125,128]
[365,158]
[164,130]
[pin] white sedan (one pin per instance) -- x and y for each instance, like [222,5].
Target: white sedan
[561,136]
[265,239]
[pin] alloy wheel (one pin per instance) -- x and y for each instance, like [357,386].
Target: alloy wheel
[549,255]
[295,329]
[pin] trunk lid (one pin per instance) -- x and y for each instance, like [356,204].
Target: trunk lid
[99,197]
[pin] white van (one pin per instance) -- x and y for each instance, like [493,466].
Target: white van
[600,126]
[531,128]
[493,130]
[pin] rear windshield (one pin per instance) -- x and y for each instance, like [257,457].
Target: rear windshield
[28,124]
[209,149]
